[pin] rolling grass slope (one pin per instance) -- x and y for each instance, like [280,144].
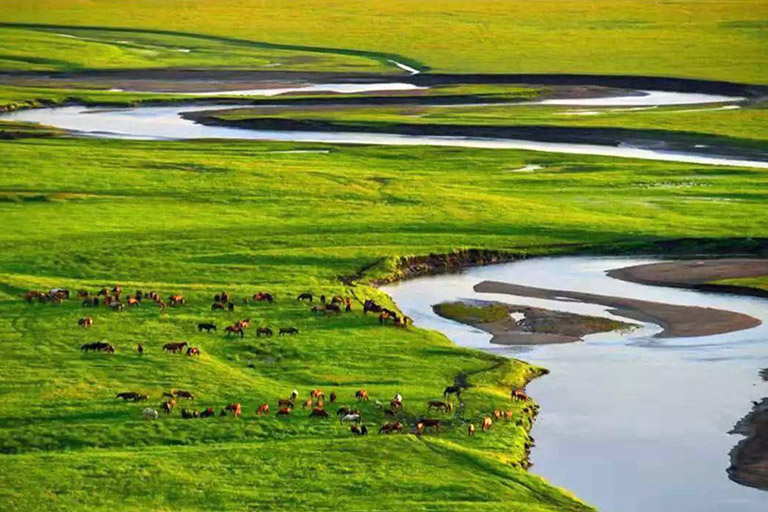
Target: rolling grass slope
[689,38]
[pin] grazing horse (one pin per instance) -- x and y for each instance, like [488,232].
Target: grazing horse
[288,330]
[150,414]
[98,346]
[266,331]
[217,306]
[362,394]
[508,415]
[85,322]
[116,305]
[518,394]
[206,327]
[189,414]
[438,405]
[371,306]
[230,306]
[316,394]
[193,351]
[263,409]
[351,417]
[132,395]
[261,297]
[306,296]
[318,412]
[244,324]
[388,428]
[234,329]
[396,405]
[307,404]
[487,423]
[132,302]
[168,405]
[497,414]
[140,349]
[452,390]
[175,347]
[183,394]
[332,397]
[235,409]
[471,429]
[176,300]
[283,411]
[208,413]
[285,402]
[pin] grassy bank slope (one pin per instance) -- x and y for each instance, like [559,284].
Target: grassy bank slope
[689,38]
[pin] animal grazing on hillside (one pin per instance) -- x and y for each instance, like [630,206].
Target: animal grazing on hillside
[266,331]
[371,306]
[351,417]
[316,394]
[283,411]
[168,405]
[208,413]
[230,306]
[332,397]
[318,412]
[438,405]
[518,394]
[284,402]
[497,414]
[189,414]
[140,349]
[175,347]
[116,305]
[306,296]
[132,395]
[262,297]
[234,329]
[235,409]
[452,390]
[206,327]
[85,322]
[487,423]
[132,302]
[362,394]
[263,409]
[396,405]
[288,330]
[193,351]
[98,346]
[217,306]
[176,300]
[388,428]
[344,410]
[150,414]
[428,423]
[180,393]
[471,429]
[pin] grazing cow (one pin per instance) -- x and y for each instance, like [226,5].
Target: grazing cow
[206,327]
[266,331]
[217,306]
[235,409]
[150,414]
[288,330]
[362,394]
[487,423]
[306,296]
[318,412]
[175,347]
[85,322]
[140,349]
[508,415]
[132,395]
[452,390]
[193,351]
[471,429]
[518,394]
[388,428]
[438,405]
[263,409]
[234,329]
[285,402]
[209,412]
[332,396]
[316,394]
[283,411]
[428,423]
[261,297]
[351,417]
[497,414]
[230,306]
[183,394]
[176,300]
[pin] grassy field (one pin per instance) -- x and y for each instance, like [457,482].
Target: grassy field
[198,218]
[689,38]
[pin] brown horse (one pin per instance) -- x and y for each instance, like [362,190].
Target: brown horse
[487,423]
[235,409]
[266,331]
[283,411]
[388,428]
[193,351]
[438,405]
[318,412]
[183,394]
[263,409]
[471,429]
[234,329]
[175,347]
[428,423]
[85,322]
[362,395]
[518,394]
[284,402]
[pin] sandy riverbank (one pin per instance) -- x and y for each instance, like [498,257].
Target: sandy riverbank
[525,325]
[676,321]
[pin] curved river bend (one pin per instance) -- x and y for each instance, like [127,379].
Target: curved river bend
[628,422]
[167,123]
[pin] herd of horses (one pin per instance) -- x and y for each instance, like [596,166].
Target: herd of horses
[395,418]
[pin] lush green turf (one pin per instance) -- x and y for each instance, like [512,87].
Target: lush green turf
[195,218]
[761,283]
[471,313]
[687,38]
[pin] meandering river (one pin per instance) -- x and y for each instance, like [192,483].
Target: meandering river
[628,422]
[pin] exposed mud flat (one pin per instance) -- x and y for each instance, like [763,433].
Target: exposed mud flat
[677,321]
[525,325]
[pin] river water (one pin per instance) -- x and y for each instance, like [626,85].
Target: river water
[628,422]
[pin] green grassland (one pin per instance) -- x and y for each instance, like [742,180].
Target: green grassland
[471,313]
[197,218]
[688,38]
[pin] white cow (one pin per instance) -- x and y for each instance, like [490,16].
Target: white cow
[150,413]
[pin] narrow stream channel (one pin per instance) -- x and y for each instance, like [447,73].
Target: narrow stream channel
[628,422]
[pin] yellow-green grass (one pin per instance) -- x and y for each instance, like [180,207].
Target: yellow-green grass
[472,313]
[201,217]
[759,283]
[688,38]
